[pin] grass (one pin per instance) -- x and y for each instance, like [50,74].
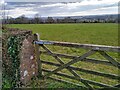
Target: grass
[103,34]
[51,84]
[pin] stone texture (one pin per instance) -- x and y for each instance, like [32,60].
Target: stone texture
[28,65]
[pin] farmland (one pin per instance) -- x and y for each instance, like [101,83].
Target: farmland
[102,34]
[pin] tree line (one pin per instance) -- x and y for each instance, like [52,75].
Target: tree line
[39,20]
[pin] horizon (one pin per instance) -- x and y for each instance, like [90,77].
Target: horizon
[70,16]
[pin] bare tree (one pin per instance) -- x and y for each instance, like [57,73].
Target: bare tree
[50,20]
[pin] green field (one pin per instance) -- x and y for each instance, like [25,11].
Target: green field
[103,34]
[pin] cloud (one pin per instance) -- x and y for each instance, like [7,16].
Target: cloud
[20,11]
[100,11]
[43,0]
[2,2]
[98,2]
[85,7]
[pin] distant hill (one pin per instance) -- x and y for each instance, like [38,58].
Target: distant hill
[114,16]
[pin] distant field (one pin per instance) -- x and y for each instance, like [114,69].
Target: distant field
[104,34]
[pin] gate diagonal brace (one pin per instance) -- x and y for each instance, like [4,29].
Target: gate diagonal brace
[62,63]
[70,63]
[110,59]
[59,60]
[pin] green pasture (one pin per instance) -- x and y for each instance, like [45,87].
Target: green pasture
[100,33]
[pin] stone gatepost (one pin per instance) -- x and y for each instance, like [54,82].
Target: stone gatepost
[28,63]
[18,56]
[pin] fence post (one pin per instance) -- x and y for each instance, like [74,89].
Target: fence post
[37,52]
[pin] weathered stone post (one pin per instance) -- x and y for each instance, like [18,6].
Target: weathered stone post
[19,57]
[28,63]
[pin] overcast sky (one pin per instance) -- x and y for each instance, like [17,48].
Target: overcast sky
[29,8]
